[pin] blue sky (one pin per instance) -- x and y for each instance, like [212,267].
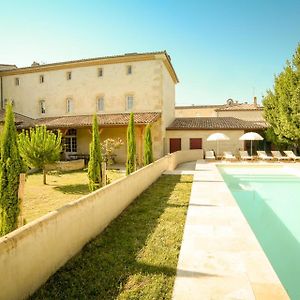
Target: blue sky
[220,49]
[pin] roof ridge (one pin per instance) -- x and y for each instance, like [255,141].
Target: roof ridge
[95,58]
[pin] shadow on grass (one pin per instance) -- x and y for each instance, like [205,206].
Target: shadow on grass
[76,189]
[105,265]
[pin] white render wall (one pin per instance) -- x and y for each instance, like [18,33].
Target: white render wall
[233,144]
[145,84]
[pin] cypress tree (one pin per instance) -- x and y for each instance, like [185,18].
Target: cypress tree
[94,166]
[10,169]
[148,152]
[40,147]
[131,147]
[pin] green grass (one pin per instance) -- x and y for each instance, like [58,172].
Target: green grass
[61,188]
[136,256]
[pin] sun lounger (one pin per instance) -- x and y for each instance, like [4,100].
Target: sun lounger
[263,155]
[292,155]
[245,156]
[209,155]
[277,155]
[229,156]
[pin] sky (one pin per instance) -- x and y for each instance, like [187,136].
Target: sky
[220,49]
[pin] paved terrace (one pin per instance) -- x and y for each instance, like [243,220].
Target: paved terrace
[220,257]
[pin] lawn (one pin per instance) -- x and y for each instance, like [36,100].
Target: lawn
[136,256]
[61,188]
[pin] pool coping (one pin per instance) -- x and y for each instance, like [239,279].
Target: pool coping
[220,257]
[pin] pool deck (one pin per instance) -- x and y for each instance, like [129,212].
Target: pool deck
[220,257]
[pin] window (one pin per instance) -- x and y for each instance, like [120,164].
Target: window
[4,103]
[175,145]
[69,105]
[100,104]
[71,141]
[17,81]
[42,106]
[69,75]
[100,72]
[129,70]
[195,143]
[41,78]
[129,104]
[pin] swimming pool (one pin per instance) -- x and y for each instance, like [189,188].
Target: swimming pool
[269,197]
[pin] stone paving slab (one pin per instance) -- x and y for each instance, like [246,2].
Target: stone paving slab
[220,257]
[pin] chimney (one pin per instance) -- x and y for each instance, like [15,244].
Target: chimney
[255,100]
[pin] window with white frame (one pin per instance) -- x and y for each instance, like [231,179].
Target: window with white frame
[129,70]
[17,81]
[100,72]
[69,105]
[42,78]
[42,106]
[129,102]
[100,103]
[69,75]
[4,103]
[70,141]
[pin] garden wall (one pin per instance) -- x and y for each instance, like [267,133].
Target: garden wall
[32,253]
[71,165]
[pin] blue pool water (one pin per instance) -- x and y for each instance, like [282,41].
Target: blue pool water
[269,197]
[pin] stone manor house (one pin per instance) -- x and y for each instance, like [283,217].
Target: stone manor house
[66,95]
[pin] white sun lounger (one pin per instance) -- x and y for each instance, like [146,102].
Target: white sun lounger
[209,155]
[263,155]
[229,156]
[277,155]
[292,155]
[245,156]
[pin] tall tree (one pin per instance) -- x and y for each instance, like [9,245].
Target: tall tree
[10,169]
[282,105]
[148,151]
[40,147]
[94,167]
[131,147]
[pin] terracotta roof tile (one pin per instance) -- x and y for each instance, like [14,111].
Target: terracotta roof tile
[240,106]
[20,120]
[209,123]
[120,119]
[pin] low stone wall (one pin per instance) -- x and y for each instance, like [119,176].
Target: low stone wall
[184,156]
[32,253]
[71,165]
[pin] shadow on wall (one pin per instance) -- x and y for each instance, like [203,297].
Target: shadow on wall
[103,267]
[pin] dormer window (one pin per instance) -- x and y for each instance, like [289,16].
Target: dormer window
[69,75]
[129,70]
[17,81]
[42,78]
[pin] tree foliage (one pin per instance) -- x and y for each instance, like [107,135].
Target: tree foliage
[108,149]
[10,169]
[131,147]
[282,105]
[148,152]
[94,167]
[39,147]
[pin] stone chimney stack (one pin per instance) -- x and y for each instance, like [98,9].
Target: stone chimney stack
[255,100]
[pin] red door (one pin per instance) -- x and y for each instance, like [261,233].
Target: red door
[195,143]
[175,145]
